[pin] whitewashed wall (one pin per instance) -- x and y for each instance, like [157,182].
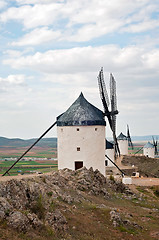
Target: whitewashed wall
[110,154]
[90,139]
[150,152]
[123,146]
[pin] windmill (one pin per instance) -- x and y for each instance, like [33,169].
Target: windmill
[155,143]
[129,138]
[81,113]
[111,115]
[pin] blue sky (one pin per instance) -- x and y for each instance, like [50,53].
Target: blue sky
[52,50]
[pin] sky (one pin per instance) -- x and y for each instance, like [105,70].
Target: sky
[52,50]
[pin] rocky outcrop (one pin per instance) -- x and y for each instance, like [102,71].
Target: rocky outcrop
[118,220]
[40,201]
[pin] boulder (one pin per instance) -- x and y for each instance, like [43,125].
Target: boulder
[18,221]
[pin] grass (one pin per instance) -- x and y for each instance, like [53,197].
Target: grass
[38,207]
[42,152]
[87,221]
[156,190]
[28,167]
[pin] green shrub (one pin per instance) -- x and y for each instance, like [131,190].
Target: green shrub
[38,207]
[112,178]
[156,191]
[49,194]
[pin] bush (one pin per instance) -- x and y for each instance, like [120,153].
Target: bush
[156,191]
[112,178]
[38,207]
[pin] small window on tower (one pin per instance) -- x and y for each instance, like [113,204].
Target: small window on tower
[78,149]
[77,129]
[95,129]
[61,129]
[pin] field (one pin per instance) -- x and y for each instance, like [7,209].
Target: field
[39,152]
[28,167]
[138,148]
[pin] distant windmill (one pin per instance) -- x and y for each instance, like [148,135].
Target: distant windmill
[111,115]
[129,138]
[155,143]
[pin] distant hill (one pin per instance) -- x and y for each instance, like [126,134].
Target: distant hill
[52,142]
[17,142]
[144,138]
[141,138]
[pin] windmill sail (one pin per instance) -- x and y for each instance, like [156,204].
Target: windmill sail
[155,143]
[111,115]
[129,138]
[114,110]
[104,96]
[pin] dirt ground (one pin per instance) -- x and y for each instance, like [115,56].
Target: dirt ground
[145,181]
[6,178]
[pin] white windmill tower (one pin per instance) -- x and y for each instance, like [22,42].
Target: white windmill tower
[123,144]
[81,137]
[149,150]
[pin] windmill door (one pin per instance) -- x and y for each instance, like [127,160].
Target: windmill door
[78,165]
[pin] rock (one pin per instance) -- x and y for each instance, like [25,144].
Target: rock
[115,218]
[18,221]
[5,208]
[34,220]
[67,198]
[57,220]
[39,196]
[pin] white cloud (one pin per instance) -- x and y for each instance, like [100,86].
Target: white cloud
[60,75]
[84,21]
[13,79]
[32,16]
[22,2]
[37,36]
[13,53]
[141,26]
[2,4]
[151,59]
[129,59]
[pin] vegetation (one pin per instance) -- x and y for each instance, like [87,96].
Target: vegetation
[89,219]
[148,167]
[28,167]
[38,207]
[156,190]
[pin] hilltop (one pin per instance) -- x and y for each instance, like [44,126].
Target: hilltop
[147,167]
[77,205]
[15,147]
[17,142]
[52,142]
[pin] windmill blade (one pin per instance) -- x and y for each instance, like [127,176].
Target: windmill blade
[114,111]
[116,145]
[155,143]
[102,88]
[104,96]
[129,138]
[113,99]
[153,140]
[156,146]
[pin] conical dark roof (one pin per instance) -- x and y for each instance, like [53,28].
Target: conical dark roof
[148,145]
[122,137]
[81,113]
